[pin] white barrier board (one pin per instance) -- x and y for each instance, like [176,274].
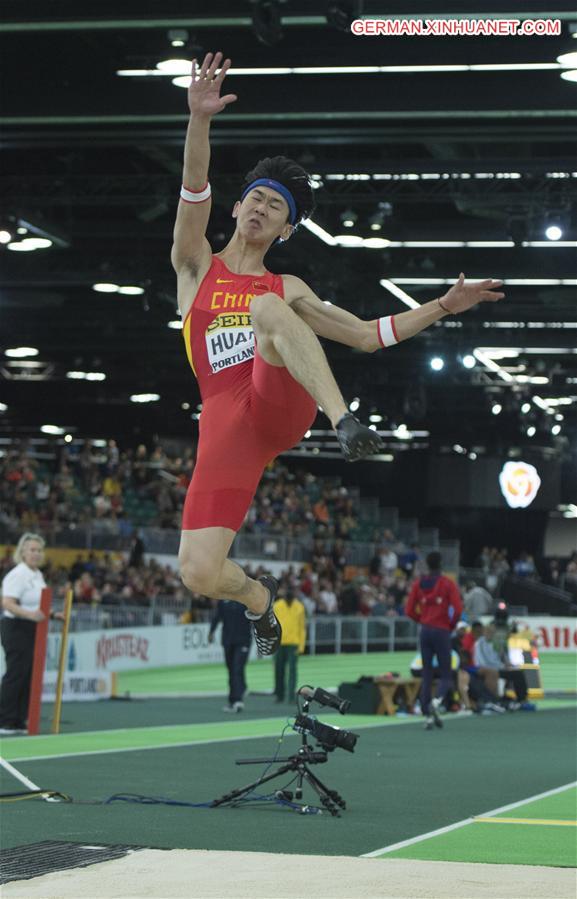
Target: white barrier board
[124,649]
[78,686]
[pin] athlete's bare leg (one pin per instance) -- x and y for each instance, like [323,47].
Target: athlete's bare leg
[205,569]
[284,339]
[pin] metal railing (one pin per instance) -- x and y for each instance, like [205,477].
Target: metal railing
[537,597]
[328,634]
[325,634]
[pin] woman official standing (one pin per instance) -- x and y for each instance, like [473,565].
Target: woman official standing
[21,591]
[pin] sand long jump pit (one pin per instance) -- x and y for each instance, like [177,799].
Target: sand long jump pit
[164,874]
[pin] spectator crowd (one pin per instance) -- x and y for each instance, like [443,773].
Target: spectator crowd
[116,492]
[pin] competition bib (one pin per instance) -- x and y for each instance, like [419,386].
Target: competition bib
[229,340]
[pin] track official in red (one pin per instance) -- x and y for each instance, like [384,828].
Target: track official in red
[436,604]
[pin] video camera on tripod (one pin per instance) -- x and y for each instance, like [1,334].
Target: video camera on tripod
[328,738]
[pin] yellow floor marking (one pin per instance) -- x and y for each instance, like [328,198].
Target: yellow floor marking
[526,821]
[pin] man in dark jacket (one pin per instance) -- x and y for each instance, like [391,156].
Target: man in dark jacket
[436,604]
[236,640]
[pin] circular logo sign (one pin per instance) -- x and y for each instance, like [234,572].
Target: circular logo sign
[519,484]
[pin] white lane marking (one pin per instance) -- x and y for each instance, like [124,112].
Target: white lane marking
[496,811]
[192,742]
[15,773]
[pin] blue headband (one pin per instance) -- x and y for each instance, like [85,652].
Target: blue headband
[280,188]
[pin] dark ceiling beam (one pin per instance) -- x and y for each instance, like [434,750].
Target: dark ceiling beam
[514,133]
[131,24]
[167,22]
[139,190]
[358,115]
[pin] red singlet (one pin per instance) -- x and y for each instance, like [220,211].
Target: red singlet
[251,411]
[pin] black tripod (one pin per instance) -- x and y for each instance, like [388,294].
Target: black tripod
[299,762]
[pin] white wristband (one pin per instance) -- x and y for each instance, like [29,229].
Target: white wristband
[386,331]
[193,196]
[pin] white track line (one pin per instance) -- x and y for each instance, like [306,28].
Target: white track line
[382,721]
[15,773]
[495,811]
[385,722]
[189,743]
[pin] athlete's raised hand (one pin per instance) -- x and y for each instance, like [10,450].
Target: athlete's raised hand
[204,92]
[461,296]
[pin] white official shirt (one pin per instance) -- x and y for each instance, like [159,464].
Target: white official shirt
[25,585]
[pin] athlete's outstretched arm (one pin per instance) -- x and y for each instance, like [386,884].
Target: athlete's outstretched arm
[190,245]
[325,320]
[338,324]
[459,298]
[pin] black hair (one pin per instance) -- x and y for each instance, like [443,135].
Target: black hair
[292,176]
[434,561]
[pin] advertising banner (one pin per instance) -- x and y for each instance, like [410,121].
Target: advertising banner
[81,687]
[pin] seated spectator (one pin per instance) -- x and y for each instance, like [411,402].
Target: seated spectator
[477,600]
[524,566]
[408,558]
[339,555]
[389,560]
[136,557]
[395,607]
[327,598]
[492,659]
[381,606]
[553,573]
[399,590]
[367,599]
[571,574]
[472,691]
[85,592]
[349,600]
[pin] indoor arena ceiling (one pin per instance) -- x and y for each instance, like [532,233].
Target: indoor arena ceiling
[463,168]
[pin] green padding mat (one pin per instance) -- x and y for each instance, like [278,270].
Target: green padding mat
[506,844]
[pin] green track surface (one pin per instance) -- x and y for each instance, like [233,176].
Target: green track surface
[323,670]
[401,782]
[561,807]
[558,670]
[520,844]
[499,844]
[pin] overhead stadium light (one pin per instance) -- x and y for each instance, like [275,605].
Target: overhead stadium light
[131,290]
[144,397]
[348,218]
[568,59]
[554,232]
[29,244]
[21,352]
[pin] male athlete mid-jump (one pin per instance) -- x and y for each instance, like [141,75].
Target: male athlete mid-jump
[251,340]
